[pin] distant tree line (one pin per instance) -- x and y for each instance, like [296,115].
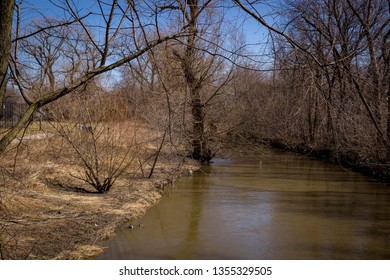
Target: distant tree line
[330,88]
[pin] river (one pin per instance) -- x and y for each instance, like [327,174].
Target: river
[269,204]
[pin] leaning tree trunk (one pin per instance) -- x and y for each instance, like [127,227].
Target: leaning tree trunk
[200,148]
[6,12]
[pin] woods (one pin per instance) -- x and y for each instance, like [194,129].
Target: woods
[331,81]
[330,67]
[119,91]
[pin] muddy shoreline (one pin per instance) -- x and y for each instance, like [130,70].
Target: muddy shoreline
[66,224]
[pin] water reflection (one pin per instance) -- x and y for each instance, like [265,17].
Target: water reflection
[272,205]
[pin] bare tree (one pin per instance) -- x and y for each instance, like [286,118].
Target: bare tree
[114,16]
[198,69]
[333,75]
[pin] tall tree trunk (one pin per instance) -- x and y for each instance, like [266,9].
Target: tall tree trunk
[6,12]
[388,125]
[200,148]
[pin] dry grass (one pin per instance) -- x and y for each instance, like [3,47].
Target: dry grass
[46,213]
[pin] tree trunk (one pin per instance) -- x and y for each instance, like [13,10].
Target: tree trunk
[19,126]
[200,148]
[6,12]
[388,124]
[199,142]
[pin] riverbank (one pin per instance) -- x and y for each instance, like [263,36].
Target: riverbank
[47,213]
[263,203]
[347,159]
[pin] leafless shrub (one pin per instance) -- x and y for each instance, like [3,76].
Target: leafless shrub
[103,141]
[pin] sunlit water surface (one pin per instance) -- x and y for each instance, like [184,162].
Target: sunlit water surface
[266,205]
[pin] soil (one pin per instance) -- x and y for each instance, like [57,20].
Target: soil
[48,213]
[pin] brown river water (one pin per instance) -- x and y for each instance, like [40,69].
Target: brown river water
[270,205]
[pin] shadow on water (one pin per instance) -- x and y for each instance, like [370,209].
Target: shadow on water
[270,205]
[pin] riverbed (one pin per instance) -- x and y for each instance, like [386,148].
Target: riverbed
[269,204]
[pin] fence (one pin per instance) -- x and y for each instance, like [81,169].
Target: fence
[12,112]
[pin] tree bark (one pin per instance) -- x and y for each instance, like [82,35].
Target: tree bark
[200,148]
[6,13]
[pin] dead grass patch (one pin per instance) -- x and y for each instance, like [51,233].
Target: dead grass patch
[46,213]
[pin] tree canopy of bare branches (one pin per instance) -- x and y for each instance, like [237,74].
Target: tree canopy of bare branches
[86,49]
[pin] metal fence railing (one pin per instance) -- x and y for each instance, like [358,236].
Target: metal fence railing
[11,113]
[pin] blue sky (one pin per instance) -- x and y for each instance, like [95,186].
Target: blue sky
[34,9]
[255,35]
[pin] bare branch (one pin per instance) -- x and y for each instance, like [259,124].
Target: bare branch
[42,29]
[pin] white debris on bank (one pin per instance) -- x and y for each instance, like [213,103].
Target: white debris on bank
[38,136]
